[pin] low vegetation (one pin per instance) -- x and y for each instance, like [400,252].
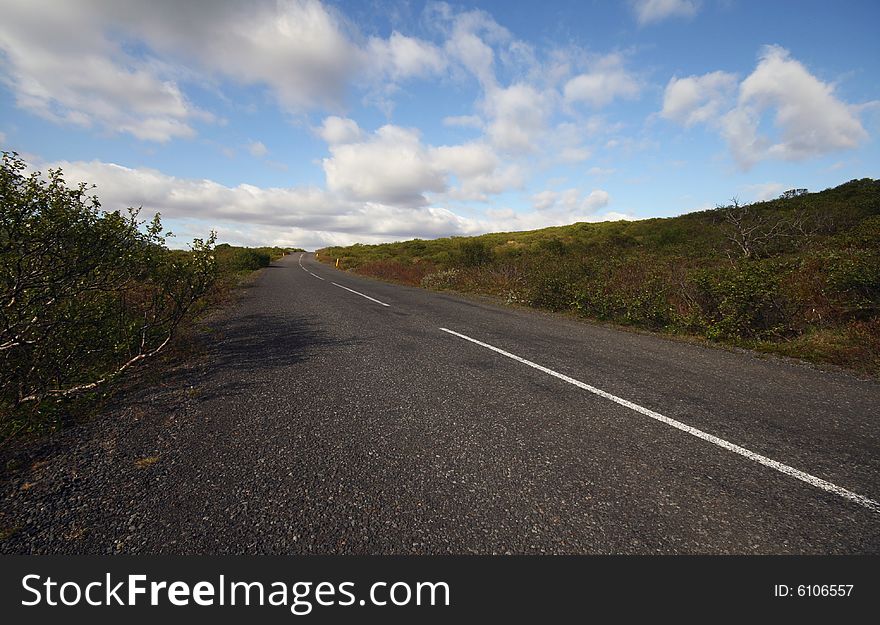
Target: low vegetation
[88,294]
[799,275]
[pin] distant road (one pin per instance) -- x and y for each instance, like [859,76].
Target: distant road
[337,414]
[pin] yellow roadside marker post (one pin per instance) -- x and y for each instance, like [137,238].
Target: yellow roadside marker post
[337,263]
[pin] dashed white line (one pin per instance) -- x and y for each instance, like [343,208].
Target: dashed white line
[372,299]
[306,270]
[720,442]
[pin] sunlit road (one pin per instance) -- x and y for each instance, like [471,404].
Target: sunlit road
[335,414]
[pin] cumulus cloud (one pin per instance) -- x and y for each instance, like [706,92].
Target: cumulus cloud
[697,99]
[808,118]
[562,208]
[405,57]
[469,39]
[257,149]
[571,201]
[544,200]
[652,11]
[466,160]
[606,81]
[312,210]
[60,66]
[336,130]
[309,217]
[139,58]
[390,166]
[72,63]
[394,166]
[518,116]
[300,49]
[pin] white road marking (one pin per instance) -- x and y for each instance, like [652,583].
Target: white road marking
[812,480]
[306,270]
[359,293]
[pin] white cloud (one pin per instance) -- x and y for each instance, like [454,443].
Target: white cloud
[594,201]
[309,217]
[613,216]
[544,200]
[467,35]
[466,160]
[257,149]
[60,66]
[571,201]
[518,116]
[262,214]
[651,11]
[606,81]
[337,130]
[70,62]
[405,57]
[391,166]
[764,191]
[2,137]
[298,48]
[697,99]
[810,119]
[507,220]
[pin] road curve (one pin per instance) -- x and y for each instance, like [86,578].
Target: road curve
[337,414]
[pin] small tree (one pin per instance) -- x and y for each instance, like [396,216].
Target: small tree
[751,230]
[84,294]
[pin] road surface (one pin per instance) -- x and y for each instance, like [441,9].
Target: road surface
[337,414]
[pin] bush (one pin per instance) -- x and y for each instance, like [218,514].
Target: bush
[439,280]
[853,280]
[746,301]
[475,252]
[234,259]
[551,290]
[84,293]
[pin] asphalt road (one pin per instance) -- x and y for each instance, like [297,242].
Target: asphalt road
[321,421]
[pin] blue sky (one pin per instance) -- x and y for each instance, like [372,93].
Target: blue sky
[306,123]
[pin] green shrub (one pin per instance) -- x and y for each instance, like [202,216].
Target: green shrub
[853,279]
[475,252]
[746,301]
[234,259]
[84,293]
[550,285]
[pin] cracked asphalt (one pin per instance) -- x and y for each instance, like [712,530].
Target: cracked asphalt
[318,421]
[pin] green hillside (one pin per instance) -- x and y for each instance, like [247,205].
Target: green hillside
[799,275]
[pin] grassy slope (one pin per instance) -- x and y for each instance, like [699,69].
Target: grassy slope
[812,290]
